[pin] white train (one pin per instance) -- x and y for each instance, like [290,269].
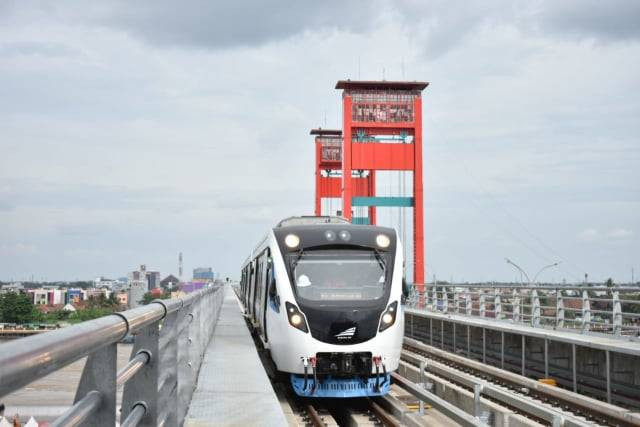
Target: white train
[326,299]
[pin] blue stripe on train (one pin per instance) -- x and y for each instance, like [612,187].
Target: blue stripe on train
[341,387]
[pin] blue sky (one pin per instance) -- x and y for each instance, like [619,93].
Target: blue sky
[130,132]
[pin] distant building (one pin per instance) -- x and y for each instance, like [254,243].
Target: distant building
[192,286]
[15,287]
[47,296]
[123,298]
[120,284]
[169,282]
[96,293]
[74,296]
[137,289]
[153,279]
[101,282]
[202,274]
[38,296]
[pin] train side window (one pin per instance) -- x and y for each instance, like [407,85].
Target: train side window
[274,298]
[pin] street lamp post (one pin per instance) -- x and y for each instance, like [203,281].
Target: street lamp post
[519,269]
[555,264]
[525,273]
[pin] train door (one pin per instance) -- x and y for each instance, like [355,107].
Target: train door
[261,299]
[267,281]
[242,286]
[245,293]
[256,291]
[251,291]
[245,280]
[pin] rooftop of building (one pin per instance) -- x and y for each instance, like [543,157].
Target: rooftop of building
[326,132]
[380,85]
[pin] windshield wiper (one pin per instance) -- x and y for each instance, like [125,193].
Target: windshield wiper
[380,259]
[294,263]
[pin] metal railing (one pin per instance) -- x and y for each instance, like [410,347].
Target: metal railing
[171,337]
[614,310]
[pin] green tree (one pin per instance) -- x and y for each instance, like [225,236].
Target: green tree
[609,283]
[631,307]
[148,297]
[113,300]
[89,314]
[17,308]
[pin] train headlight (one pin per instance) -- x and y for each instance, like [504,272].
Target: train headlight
[389,316]
[296,319]
[292,241]
[382,241]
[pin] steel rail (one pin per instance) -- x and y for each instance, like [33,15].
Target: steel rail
[28,359]
[315,418]
[135,364]
[383,415]
[79,412]
[135,416]
[157,348]
[584,403]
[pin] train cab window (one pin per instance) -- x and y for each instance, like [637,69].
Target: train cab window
[339,275]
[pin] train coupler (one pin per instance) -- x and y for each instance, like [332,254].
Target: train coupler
[306,361]
[378,361]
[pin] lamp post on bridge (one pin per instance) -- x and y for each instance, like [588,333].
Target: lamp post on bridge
[555,264]
[519,269]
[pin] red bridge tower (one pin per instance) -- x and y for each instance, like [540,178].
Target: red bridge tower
[382,130]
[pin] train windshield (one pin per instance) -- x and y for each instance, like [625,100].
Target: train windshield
[339,275]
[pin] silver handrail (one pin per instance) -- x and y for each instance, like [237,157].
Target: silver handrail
[609,310]
[170,341]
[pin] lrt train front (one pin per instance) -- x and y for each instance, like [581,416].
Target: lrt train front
[344,306]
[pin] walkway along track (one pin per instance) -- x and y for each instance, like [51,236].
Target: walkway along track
[526,396]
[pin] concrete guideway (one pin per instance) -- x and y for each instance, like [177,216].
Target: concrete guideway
[603,366]
[233,387]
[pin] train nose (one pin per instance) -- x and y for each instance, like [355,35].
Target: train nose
[343,327]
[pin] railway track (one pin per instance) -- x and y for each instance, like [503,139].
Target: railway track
[340,412]
[546,404]
[516,395]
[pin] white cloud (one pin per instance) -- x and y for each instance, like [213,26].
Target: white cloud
[589,235]
[594,235]
[18,249]
[123,139]
[620,234]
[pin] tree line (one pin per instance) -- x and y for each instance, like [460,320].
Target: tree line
[18,308]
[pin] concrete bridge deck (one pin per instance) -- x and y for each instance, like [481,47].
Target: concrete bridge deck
[233,388]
